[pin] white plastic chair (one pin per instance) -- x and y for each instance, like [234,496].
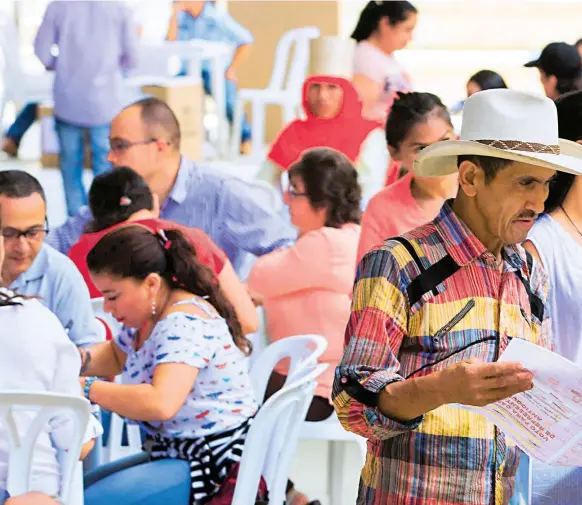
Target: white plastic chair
[99,312]
[21,449]
[272,440]
[280,91]
[114,449]
[303,352]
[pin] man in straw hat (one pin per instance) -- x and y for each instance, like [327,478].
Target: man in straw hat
[434,309]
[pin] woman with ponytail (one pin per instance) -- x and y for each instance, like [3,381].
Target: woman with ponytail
[181,353]
[382,29]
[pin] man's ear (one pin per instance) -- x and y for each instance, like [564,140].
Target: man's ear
[470,177]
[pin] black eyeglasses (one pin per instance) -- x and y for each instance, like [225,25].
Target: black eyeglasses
[119,145]
[294,194]
[32,234]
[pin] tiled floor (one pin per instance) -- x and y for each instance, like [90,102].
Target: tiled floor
[310,466]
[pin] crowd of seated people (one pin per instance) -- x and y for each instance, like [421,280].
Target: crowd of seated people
[182,256]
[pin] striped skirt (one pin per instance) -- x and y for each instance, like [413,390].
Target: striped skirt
[210,457]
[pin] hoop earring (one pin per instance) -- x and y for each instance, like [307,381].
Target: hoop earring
[153,308]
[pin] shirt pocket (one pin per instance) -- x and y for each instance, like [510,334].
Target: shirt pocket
[454,321]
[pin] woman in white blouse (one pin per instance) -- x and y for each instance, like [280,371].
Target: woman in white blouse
[37,356]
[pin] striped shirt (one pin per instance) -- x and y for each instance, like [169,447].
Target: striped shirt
[232,212]
[397,331]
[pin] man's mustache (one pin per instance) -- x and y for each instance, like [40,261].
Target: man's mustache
[528,214]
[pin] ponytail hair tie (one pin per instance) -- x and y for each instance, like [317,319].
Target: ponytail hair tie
[164,241]
[125,201]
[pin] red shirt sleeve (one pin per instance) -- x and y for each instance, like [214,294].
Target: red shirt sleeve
[207,251]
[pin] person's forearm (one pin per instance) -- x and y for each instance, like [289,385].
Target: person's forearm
[173,27]
[411,398]
[104,362]
[140,402]
[240,54]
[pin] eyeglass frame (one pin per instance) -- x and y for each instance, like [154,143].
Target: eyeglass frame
[126,144]
[24,233]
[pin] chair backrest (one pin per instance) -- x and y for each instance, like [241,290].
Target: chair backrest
[272,440]
[298,65]
[303,352]
[21,449]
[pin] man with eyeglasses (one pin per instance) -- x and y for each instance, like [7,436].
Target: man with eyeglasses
[33,268]
[146,138]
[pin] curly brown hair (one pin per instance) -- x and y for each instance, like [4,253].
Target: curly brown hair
[331,182]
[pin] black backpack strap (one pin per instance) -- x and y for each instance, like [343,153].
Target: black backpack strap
[429,278]
[535,302]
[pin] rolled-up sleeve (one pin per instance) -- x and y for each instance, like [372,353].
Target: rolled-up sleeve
[234,32]
[375,331]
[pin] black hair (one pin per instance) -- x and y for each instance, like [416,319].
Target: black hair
[489,164]
[116,195]
[135,252]
[157,115]
[569,108]
[396,12]
[410,109]
[488,79]
[331,181]
[568,84]
[578,43]
[19,184]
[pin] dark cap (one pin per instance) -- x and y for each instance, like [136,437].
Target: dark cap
[559,59]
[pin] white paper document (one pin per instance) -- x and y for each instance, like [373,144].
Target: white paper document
[546,421]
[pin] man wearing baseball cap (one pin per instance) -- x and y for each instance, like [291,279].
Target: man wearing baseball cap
[560,67]
[434,309]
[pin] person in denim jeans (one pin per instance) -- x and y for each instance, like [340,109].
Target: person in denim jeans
[201,20]
[97,42]
[22,123]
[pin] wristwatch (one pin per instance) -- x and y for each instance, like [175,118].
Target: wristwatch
[87,388]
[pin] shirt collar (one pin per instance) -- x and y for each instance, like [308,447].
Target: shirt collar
[180,189]
[464,247]
[36,271]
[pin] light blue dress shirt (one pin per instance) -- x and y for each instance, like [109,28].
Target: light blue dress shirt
[59,285]
[234,213]
[213,25]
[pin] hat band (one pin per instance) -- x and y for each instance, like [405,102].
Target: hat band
[520,145]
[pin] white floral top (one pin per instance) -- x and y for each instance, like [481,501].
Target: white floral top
[222,396]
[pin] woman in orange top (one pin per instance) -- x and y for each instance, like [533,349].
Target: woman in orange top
[314,278]
[306,289]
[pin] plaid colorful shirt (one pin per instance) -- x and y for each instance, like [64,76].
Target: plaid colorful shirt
[396,331]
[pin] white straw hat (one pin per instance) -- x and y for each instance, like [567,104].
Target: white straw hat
[509,124]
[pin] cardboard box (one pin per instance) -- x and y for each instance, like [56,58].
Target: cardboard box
[184,95]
